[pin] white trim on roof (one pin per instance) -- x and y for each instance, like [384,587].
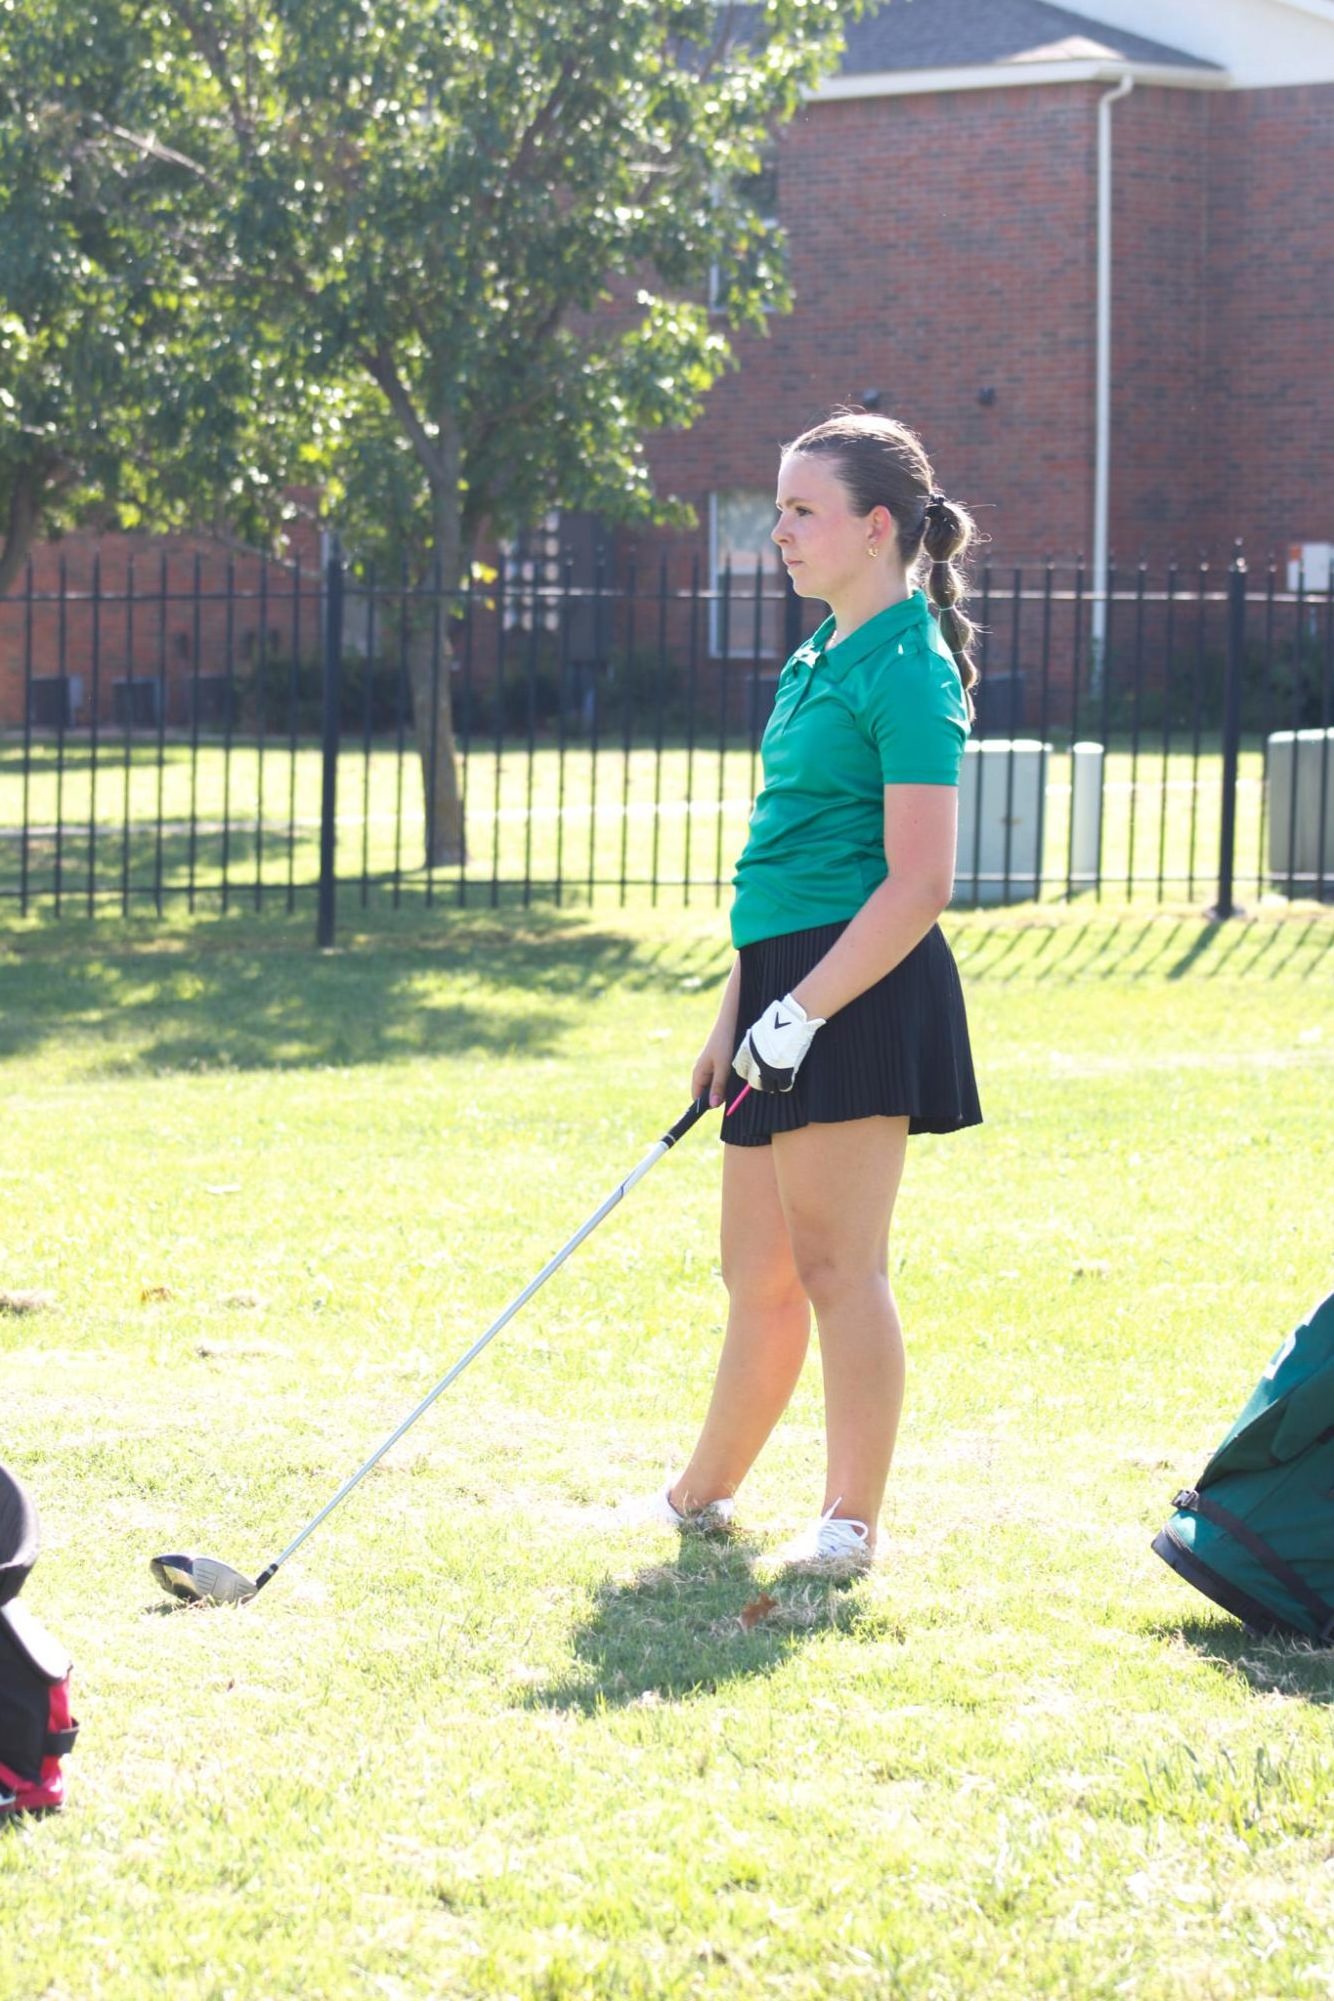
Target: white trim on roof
[1263,44]
[1001,76]
[1322,9]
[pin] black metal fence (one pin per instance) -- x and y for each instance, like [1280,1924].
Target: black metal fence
[260,735]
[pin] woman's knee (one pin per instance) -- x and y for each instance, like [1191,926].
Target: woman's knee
[830,1274]
[763,1278]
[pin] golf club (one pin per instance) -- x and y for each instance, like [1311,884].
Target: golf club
[208,1579]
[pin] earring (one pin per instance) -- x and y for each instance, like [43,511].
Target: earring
[871,549]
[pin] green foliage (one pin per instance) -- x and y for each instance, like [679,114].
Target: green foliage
[450,262]
[540,694]
[281,695]
[126,391]
[490,231]
[1287,684]
[544,689]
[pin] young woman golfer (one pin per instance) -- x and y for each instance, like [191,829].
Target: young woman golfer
[843,1011]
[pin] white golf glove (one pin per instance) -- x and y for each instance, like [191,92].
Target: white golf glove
[772,1051]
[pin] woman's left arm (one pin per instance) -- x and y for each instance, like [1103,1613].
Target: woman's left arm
[921,826]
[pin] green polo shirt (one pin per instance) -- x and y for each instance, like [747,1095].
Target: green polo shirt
[883,707]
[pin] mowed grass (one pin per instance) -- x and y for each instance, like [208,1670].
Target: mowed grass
[606,826]
[485,1735]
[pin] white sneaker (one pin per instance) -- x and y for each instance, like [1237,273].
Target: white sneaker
[714,1518]
[829,1543]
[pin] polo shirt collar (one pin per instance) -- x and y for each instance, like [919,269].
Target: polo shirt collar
[890,624]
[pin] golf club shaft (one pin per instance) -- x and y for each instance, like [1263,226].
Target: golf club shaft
[654,1154]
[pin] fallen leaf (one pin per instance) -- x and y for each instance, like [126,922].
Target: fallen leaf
[759,1608]
[149,1293]
[1090,1268]
[25,1302]
[245,1299]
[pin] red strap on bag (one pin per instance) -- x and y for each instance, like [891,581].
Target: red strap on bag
[37,1729]
[46,1793]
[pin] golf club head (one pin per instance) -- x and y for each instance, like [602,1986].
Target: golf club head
[203,1580]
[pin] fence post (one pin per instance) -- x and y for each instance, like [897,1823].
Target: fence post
[1232,676]
[333,661]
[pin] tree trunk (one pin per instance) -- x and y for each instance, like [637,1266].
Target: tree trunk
[430,663]
[430,659]
[21,523]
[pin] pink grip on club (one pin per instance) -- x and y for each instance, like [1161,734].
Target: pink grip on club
[744,1092]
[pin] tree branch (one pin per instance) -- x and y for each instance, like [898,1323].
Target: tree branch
[543,124]
[210,48]
[722,40]
[25,498]
[530,343]
[153,149]
[379,365]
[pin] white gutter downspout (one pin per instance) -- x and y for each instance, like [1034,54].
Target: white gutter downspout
[1102,415]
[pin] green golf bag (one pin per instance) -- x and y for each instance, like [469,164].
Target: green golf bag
[1256,1532]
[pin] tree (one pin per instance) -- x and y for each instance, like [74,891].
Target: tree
[485,233]
[120,391]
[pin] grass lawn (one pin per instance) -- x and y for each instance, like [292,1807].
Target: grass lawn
[486,1737]
[605,827]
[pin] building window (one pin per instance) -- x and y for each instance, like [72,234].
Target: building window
[741,525]
[530,571]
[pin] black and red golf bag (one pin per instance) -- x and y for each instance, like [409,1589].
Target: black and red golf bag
[36,1728]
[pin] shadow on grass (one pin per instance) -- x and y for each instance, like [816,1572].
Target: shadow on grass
[675,1630]
[1268,1665]
[252,994]
[1062,948]
[249,992]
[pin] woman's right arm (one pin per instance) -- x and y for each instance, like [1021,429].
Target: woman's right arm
[713,1065]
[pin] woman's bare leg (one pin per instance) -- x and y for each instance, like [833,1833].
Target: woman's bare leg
[836,1185]
[768,1330]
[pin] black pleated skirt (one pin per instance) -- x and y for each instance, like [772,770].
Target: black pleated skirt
[899,1050]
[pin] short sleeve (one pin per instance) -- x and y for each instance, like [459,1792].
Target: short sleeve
[915,715]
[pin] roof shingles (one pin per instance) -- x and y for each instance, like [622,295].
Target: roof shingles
[957,34]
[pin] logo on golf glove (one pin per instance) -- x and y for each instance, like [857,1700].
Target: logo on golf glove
[772,1052]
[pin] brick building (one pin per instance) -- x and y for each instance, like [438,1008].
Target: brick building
[946,197]
[941,196]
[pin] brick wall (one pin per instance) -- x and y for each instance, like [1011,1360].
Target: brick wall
[108,608]
[1161,421]
[1269,380]
[942,244]
[919,271]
